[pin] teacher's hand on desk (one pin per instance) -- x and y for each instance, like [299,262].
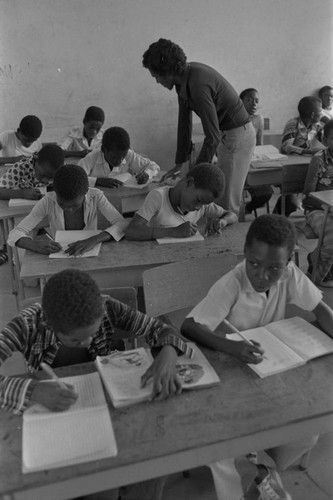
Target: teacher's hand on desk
[163,372]
[53,396]
[108,182]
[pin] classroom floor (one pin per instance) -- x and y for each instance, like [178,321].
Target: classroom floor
[314,484]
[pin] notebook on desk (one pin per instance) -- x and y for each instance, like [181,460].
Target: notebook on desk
[267,153]
[287,344]
[191,239]
[129,180]
[65,238]
[80,434]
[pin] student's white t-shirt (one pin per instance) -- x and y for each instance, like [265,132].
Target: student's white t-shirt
[11,146]
[157,210]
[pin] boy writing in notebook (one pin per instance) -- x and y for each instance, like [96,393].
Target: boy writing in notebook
[174,211]
[320,178]
[255,293]
[22,142]
[71,206]
[116,157]
[79,141]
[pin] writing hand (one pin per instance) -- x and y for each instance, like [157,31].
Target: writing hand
[109,182]
[185,230]
[80,247]
[45,246]
[249,353]
[53,396]
[164,375]
[142,178]
[215,226]
[32,194]
[171,174]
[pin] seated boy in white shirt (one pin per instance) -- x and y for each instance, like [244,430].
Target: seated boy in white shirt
[255,293]
[79,141]
[22,142]
[174,211]
[117,157]
[72,206]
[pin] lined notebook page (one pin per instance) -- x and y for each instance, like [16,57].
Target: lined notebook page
[84,433]
[303,337]
[67,237]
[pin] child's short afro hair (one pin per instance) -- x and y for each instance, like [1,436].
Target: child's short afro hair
[70,181]
[165,58]
[208,176]
[307,105]
[94,114]
[31,126]
[274,230]
[116,137]
[51,154]
[71,299]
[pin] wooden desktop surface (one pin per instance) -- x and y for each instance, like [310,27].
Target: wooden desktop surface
[241,414]
[326,197]
[270,172]
[125,261]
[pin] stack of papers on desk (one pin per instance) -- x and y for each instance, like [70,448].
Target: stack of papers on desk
[80,434]
[65,238]
[267,153]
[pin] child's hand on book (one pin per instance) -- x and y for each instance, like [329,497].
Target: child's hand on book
[53,396]
[163,372]
[81,246]
[249,353]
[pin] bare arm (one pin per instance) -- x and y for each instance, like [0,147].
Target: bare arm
[138,229]
[324,316]
[27,194]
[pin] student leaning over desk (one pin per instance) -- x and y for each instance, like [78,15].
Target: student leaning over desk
[174,211]
[117,157]
[74,324]
[254,294]
[22,142]
[72,206]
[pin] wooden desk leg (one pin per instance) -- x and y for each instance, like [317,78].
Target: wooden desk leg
[320,241]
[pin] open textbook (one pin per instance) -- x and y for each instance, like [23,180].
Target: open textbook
[65,238]
[287,344]
[128,179]
[267,153]
[121,373]
[82,433]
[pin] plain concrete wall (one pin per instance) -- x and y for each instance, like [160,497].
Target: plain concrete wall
[57,57]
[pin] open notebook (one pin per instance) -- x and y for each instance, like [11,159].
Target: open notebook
[267,153]
[67,237]
[22,202]
[82,433]
[128,179]
[121,373]
[287,344]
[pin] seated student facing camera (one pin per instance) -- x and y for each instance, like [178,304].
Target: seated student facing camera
[72,206]
[174,211]
[79,141]
[23,179]
[253,294]
[116,157]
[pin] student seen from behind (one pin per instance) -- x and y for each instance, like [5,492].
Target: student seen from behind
[302,135]
[79,141]
[175,211]
[255,293]
[22,142]
[320,178]
[116,157]
[260,195]
[72,206]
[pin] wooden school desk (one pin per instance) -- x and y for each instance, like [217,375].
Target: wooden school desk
[270,172]
[241,414]
[131,198]
[122,263]
[326,198]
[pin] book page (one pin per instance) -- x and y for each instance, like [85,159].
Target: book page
[80,434]
[196,237]
[21,202]
[121,373]
[65,238]
[278,357]
[267,152]
[303,337]
[197,371]
[128,179]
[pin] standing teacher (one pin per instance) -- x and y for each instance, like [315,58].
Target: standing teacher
[225,121]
